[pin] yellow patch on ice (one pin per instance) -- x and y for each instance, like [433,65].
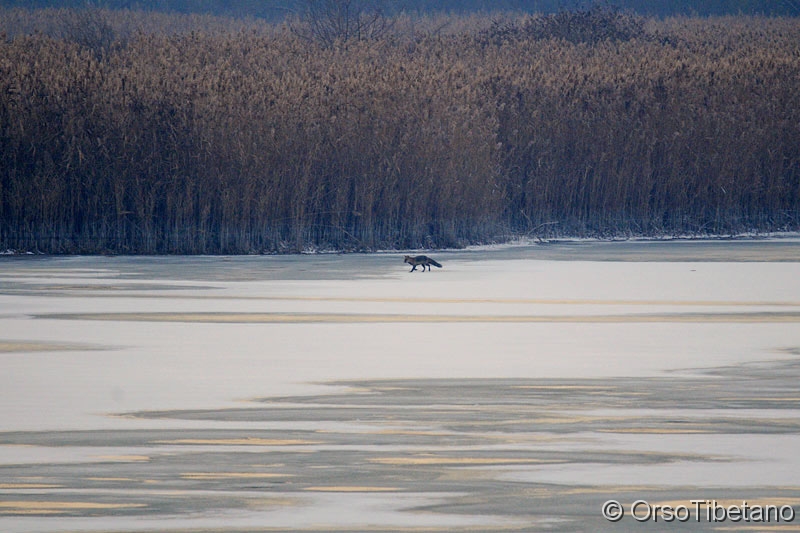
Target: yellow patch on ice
[266,503]
[512,301]
[762,399]
[23,346]
[654,431]
[576,419]
[51,507]
[124,458]
[355,488]
[248,441]
[606,490]
[459,461]
[344,318]
[562,387]
[23,486]
[211,476]
[409,432]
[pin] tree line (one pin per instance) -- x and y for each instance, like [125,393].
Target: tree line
[254,138]
[276,10]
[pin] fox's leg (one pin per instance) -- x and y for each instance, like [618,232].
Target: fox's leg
[413,268]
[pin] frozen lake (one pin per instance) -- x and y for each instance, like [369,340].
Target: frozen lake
[515,389]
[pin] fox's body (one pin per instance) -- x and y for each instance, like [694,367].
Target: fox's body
[423,260]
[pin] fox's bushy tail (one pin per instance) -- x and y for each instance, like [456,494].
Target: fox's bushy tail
[434,263]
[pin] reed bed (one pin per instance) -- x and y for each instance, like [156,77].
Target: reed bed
[182,134]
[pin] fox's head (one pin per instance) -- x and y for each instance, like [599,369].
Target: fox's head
[408,259]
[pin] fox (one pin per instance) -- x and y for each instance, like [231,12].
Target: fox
[423,260]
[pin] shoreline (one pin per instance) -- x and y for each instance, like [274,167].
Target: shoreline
[514,242]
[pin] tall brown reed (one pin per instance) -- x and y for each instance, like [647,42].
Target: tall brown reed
[254,140]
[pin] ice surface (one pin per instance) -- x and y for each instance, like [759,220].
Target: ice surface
[86,341]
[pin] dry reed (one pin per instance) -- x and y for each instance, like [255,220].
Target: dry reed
[183,135]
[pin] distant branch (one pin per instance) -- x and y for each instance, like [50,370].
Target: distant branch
[793,5]
[330,21]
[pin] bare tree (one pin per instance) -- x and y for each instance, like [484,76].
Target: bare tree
[90,27]
[793,6]
[330,21]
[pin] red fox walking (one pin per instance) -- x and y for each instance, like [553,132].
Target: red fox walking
[423,260]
